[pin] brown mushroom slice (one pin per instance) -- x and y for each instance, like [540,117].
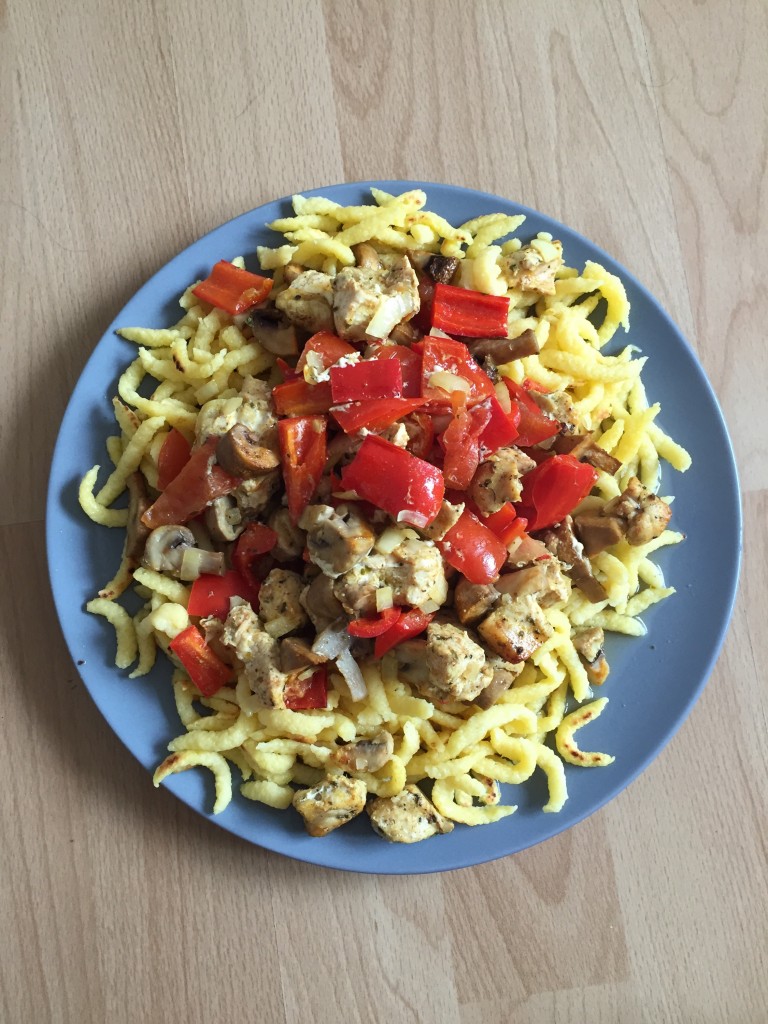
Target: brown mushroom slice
[598,532]
[366,256]
[277,336]
[503,350]
[172,549]
[589,645]
[366,755]
[224,519]
[136,531]
[442,268]
[504,675]
[583,447]
[473,600]
[563,543]
[291,271]
[240,453]
[296,655]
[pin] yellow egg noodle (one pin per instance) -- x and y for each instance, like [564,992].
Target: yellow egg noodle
[463,750]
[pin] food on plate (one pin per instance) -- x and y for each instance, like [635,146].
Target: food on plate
[382,507]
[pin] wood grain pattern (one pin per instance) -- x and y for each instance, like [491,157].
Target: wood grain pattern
[130,130]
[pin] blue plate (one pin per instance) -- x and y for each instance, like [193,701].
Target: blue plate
[654,680]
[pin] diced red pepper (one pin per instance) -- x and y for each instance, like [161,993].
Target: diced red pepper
[297,398]
[461,441]
[302,452]
[410,489]
[534,426]
[533,385]
[329,347]
[255,540]
[288,372]
[173,457]
[375,625]
[501,429]
[206,670]
[210,595]
[506,523]
[554,488]
[449,356]
[410,366]
[366,381]
[409,624]
[301,694]
[473,549]
[192,489]
[374,415]
[232,289]
[469,313]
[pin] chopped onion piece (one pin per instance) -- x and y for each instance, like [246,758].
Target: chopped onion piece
[333,640]
[429,606]
[353,677]
[385,598]
[414,518]
[390,311]
[437,333]
[449,382]
[502,393]
[389,540]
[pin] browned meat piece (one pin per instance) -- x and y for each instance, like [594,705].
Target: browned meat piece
[589,644]
[533,267]
[558,405]
[258,653]
[598,532]
[447,517]
[280,606]
[296,655]
[291,539]
[544,581]
[336,542]
[455,664]
[504,675]
[274,333]
[563,543]
[498,479]
[414,570]
[331,803]
[503,350]
[515,628]
[442,268]
[373,300]
[365,755]
[583,447]
[253,496]
[239,453]
[308,301]
[646,515]
[407,818]
[474,600]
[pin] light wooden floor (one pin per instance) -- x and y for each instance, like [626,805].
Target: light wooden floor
[129,129]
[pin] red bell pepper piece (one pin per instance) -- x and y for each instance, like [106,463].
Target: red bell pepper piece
[501,429]
[469,313]
[461,441]
[329,347]
[506,523]
[232,289]
[473,549]
[297,398]
[192,489]
[288,372]
[410,489]
[534,426]
[409,624]
[410,366]
[210,595]
[368,380]
[255,540]
[173,457]
[554,488]
[300,694]
[302,452]
[447,355]
[374,626]
[206,670]
[375,414]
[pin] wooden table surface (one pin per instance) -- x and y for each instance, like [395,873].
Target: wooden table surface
[129,130]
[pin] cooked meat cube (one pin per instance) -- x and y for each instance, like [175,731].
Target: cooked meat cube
[389,294]
[336,542]
[442,268]
[396,434]
[598,532]
[274,333]
[258,653]
[320,603]
[239,453]
[308,301]
[544,581]
[407,818]
[504,350]
[503,676]
[558,405]
[252,496]
[589,644]
[646,515]
[455,664]
[497,479]
[330,804]
[515,628]
[447,517]
[365,755]
[296,655]
[533,267]
[291,540]
[563,543]
[252,408]
[414,570]
[474,600]
[280,607]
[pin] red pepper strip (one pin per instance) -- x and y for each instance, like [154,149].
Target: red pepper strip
[555,487]
[502,427]
[173,457]
[302,452]
[410,366]
[368,627]
[447,355]
[210,594]
[297,398]
[232,289]
[206,670]
[375,415]
[473,549]
[288,372]
[408,625]
[461,440]
[194,488]
[506,523]
[471,314]
[255,540]
[300,694]
[366,381]
[410,489]
[328,347]
[533,385]
[534,425]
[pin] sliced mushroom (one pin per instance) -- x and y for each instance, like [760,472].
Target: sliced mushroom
[442,268]
[589,644]
[474,600]
[598,532]
[321,604]
[291,271]
[504,675]
[291,539]
[224,519]
[240,453]
[365,755]
[172,549]
[136,532]
[504,350]
[366,256]
[275,335]
[563,543]
[336,541]
[296,655]
[583,447]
